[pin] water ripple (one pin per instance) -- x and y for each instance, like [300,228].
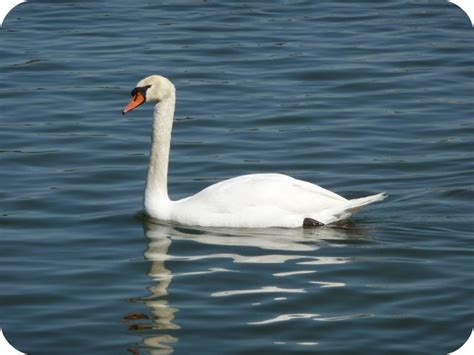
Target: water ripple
[265,289]
[286,317]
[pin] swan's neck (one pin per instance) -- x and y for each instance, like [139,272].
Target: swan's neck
[156,191]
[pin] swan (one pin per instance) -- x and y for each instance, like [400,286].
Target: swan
[254,201]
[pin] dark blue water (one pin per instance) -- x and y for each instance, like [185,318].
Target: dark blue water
[356,96]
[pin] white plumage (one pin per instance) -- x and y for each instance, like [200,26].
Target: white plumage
[257,200]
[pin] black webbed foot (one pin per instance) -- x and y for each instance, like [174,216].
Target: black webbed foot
[310,222]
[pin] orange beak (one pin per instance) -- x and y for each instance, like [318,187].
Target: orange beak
[136,101]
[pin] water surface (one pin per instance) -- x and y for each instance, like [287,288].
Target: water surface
[358,97]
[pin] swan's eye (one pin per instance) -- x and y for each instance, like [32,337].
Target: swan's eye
[141,89]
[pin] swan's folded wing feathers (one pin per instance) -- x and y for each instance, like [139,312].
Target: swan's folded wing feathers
[272,190]
[265,200]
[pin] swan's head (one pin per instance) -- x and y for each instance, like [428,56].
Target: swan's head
[154,88]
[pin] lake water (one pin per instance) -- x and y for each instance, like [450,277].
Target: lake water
[358,97]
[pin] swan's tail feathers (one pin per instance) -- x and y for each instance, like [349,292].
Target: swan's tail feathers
[341,214]
[356,204]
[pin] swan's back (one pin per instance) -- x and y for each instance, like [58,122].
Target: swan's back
[267,190]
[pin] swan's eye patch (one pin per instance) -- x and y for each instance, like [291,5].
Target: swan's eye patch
[142,90]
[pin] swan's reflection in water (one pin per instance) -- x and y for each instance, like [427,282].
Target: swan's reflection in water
[161,313]
[273,246]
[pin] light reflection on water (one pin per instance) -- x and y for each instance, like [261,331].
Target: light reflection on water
[274,246]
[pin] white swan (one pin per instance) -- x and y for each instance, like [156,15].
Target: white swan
[258,200]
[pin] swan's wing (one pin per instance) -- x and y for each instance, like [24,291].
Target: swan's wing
[264,200]
[264,191]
